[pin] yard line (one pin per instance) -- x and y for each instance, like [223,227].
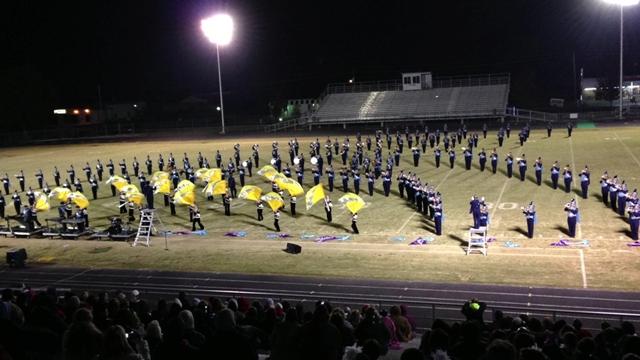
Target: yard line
[573,180]
[627,148]
[415,212]
[582,267]
[495,207]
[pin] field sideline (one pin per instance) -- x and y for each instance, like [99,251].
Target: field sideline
[607,263]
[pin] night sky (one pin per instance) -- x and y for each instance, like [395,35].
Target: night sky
[57,53]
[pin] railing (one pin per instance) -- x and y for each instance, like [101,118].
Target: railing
[438,82]
[410,116]
[425,311]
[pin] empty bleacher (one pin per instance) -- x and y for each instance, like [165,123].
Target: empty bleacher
[463,101]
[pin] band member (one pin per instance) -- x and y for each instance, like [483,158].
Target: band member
[494,161]
[437,153]
[468,156]
[195,219]
[94,187]
[572,217]
[530,215]
[604,187]
[452,157]
[40,178]
[7,183]
[2,206]
[438,214]
[20,178]
[555,175]
[584,183]
[522,166]
[354,225]
[293,201]
[549,128]
[538,170]
[17,201]
[634,220]
[276,220]
[260,209]
[226,200]
[87,171]
[149,163]
[482,156]
[569,128]
[509,160]
[328,208]
[111,167]
[568,178]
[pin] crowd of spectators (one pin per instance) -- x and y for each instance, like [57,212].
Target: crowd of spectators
[119,326]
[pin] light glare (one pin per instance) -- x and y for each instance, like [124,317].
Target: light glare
[60,111]
[218,28]
[623,2]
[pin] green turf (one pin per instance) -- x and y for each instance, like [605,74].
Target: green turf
[608,262]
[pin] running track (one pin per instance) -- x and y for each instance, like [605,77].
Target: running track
[422,297]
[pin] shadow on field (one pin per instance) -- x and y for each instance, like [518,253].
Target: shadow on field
[578,192]
[339,226]
[598,196]
[458,239]
[256,224]
[627,232]
[562,229]
[519,229]
[549,183]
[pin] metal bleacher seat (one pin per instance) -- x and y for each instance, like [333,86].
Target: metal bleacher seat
[474,101]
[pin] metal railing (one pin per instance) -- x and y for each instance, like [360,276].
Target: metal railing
[425,311]
[438,82]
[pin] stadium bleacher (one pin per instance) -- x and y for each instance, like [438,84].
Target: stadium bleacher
[452,100]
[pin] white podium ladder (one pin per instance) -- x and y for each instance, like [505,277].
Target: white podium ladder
[477,240]
[145,228]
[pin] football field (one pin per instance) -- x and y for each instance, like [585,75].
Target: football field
[387,224]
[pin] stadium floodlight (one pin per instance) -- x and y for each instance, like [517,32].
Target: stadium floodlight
[622,4]
[219,30]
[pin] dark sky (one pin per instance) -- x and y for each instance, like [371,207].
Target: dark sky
[58,52]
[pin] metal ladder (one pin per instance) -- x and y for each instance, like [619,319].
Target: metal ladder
[145,228]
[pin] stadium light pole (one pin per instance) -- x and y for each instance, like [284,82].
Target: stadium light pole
[219,30]
[622,4]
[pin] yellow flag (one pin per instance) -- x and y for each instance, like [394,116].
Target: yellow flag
[136,198]
[314,195]
[159,175]
[250,192]
[60,193]
[265,169]
[352,202]
[79,199]
[185,186]
[216,188]
[130,189]
[212,175]
[274,200]
[185,198]
[163,186]
[117,181]
[293,187]
[199,174]
[42,201]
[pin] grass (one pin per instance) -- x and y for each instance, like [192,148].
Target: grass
[608,262]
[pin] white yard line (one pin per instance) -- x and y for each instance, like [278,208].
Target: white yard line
[627,149]
[574,182]
[415,213]
[583,269]
[495,207]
